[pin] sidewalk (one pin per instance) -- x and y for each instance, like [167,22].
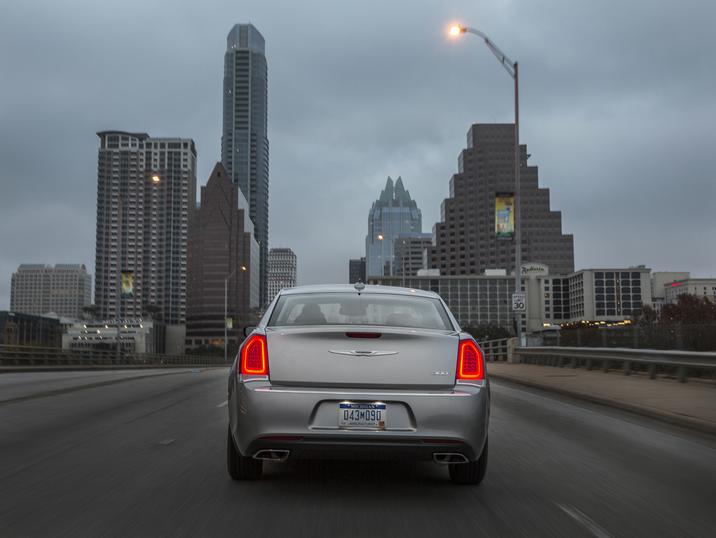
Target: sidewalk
[692,405]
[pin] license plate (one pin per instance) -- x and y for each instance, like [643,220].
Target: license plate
[372,416]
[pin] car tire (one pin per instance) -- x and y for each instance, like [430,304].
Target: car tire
[240,467]
[472,472]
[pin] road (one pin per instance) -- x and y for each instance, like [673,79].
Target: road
[145,457]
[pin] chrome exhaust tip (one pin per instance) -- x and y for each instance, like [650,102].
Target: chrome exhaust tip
[448,458]
[272,454]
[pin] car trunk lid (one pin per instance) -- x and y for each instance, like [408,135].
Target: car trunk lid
[365,356]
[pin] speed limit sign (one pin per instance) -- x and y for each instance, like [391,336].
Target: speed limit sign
[519,303]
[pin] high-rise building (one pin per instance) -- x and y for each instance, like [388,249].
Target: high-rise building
[392,214]
[40,289]
[410,252]
[223,264]
[145,190]
[466,241]
[244,143]
[281,270]
[356,270]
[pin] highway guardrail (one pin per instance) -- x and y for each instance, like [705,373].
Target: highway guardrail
[494,350]
[31,356]
[653,361]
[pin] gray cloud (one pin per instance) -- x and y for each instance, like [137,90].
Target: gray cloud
[617,110]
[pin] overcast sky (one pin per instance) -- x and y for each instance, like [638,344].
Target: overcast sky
[617,104]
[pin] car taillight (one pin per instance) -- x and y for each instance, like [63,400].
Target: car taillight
[254,356]
[470,362]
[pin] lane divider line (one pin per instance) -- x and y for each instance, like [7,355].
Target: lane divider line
[584,520]
[223,404]
[75,388]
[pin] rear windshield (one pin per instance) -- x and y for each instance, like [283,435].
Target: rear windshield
[364,309]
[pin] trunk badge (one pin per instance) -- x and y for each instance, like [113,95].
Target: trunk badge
[361,353]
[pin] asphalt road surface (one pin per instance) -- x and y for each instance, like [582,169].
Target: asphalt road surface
[103,454]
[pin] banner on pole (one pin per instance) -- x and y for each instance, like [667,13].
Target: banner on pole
[127,278]
[504,215]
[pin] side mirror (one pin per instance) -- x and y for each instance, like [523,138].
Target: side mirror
[248,329]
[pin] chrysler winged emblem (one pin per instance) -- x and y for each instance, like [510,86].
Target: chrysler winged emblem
[361,353]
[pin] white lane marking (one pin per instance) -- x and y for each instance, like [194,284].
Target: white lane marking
[223,404]
[583,519]
[166,442]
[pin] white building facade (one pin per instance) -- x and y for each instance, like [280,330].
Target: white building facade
[700,287]
[135,335]
[63,289]
[282,265]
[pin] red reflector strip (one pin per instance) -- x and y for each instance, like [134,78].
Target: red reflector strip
[363,335]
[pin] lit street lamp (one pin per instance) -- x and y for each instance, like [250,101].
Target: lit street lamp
[382,254]
[511,67]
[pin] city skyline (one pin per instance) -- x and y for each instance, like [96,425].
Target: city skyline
[623,157]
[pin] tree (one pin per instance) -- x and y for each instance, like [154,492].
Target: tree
[153,311]
[90,311]
[648,316]
[689,310]
[486,331]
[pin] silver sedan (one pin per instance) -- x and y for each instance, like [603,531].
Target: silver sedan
[355,371]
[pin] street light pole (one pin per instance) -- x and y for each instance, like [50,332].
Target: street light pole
[226,316]
[156,180]
[226,312]
[403,262]
[518,206]
[119,275]
[512,69]
[381,238]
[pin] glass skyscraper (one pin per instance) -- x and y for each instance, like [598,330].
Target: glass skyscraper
[394,213]
[244,142]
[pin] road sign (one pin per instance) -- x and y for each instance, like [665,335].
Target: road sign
[519,302]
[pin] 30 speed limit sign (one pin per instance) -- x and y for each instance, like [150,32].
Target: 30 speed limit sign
[519,302]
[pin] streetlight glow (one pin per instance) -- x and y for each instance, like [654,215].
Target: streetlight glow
[380,237]
[455,30]
[156,178]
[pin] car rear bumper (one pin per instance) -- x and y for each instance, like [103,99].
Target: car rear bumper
[304,421]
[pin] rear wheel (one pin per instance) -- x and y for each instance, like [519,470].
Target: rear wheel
[240,467]
[470,473]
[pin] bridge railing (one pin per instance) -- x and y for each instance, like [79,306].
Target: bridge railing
[23,356]
[681,364]
[494,350]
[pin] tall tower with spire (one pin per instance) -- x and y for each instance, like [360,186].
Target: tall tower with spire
[244,140]
[394,213]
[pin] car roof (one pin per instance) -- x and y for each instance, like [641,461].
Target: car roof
[351,288]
